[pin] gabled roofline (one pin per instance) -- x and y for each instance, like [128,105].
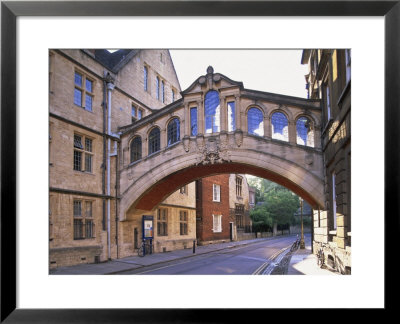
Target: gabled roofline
[236,83]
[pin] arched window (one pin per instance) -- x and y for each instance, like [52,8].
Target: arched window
[154,140]
[212,112]
[136,149]
[255,122]
[279,125]
[173,131]
[305,132]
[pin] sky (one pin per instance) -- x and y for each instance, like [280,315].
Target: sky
[276,71]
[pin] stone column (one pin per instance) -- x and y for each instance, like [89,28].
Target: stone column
[267,127]
[292,132]
[163,138]
[200,117]
[186,120]
[317,136]
[237,112]
[223,114]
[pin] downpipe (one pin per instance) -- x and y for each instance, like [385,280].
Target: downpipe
[110,87]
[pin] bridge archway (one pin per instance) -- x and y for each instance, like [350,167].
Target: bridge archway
[149,182]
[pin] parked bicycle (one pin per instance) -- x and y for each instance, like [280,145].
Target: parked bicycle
[295,245]
[145,248]
[321,257]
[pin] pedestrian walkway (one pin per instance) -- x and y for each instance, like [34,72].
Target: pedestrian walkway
[134,262]
[303,262]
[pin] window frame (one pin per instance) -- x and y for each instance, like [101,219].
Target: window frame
[239,186]
[151,142]
[83,90]
[138,153]
[83,223]
[216,192]
[215,118]
[193,124]
[183,222]
[217,223]
[284,139]
[173,131]
[162,222]
[84,153]
[249,112]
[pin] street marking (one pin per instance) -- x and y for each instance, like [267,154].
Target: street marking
[269,264]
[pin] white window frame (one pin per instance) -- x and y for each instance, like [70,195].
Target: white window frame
[217,223]
[216,192]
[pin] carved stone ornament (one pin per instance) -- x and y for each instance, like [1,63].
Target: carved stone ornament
[186,143]
[130,174]
[238,137]
[211,153]
[309,159]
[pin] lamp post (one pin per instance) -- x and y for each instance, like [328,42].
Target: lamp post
[302,245]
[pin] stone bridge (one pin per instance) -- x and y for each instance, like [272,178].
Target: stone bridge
[218,126]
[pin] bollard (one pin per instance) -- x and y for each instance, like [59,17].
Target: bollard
[194,246]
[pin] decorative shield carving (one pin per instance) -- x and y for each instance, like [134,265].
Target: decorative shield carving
[211,153]
[238,137]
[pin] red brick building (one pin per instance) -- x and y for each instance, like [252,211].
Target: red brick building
[212,214]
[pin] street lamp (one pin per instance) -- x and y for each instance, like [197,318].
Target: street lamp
[302,245]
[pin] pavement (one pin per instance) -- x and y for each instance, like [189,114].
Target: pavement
[302,262]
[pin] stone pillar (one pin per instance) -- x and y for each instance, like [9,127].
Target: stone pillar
[317,136]
[163,138]
[292,132]
[223,114]
[200,117]
[186,120]
[267,127]
[238,108]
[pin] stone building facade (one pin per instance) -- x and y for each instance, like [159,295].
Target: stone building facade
[91,94]
[329,80]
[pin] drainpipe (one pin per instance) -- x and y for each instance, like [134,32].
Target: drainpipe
[110,88]
[103,166]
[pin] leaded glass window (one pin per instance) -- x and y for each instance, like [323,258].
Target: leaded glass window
[136,149]
[83,91]
[279,125]
[154,140]
[212,112]
[255,121]
[305,133]
[173,131]
[162,222]
[77,97]
[157,88]
[83,154]
[193,121]
[231,116]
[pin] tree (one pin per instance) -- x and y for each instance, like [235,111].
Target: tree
[278,204]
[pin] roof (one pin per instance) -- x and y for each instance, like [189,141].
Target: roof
[116,60]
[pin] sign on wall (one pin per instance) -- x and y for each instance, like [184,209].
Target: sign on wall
[147,226]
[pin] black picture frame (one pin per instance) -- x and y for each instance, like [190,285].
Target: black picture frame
[10,10]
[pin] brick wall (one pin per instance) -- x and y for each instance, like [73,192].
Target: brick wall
[208,208]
